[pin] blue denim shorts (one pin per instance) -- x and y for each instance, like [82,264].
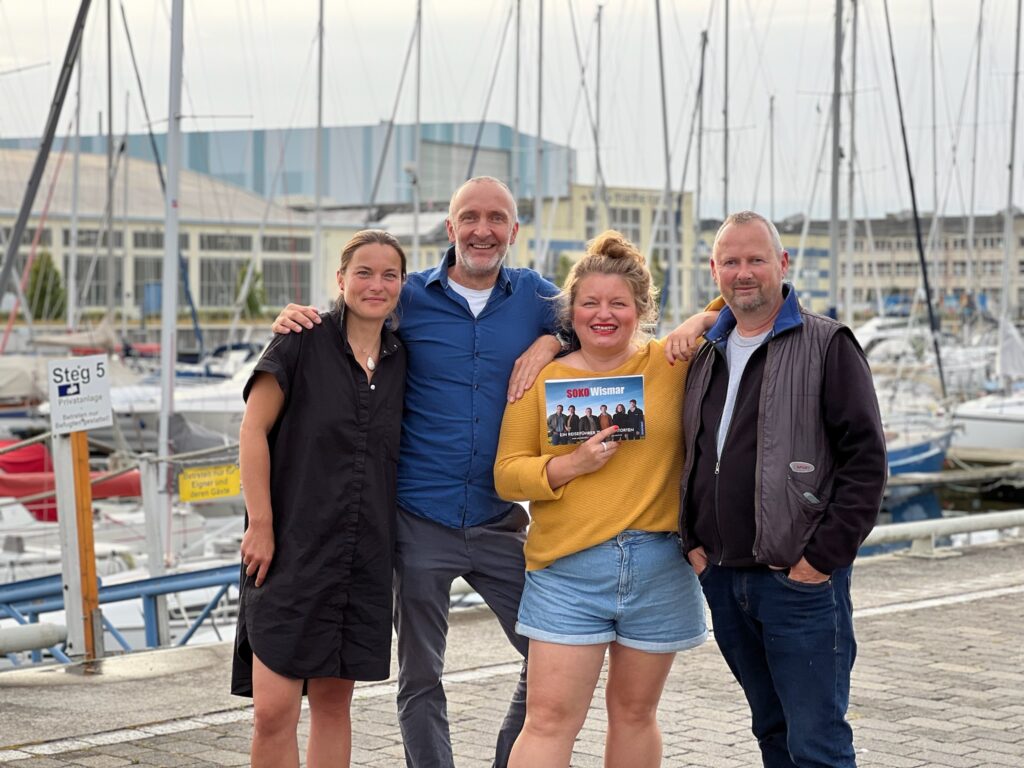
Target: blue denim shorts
[637,590]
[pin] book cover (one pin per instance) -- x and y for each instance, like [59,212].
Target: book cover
[578,408]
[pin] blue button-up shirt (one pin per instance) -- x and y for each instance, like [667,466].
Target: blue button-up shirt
[456,388]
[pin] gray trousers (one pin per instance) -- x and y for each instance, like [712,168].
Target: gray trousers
[429,557]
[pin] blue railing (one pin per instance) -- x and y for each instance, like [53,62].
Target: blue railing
[25,601]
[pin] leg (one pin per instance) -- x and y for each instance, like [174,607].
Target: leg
[276,702]
[740,639]
[426,563]
[562,679]
[499,570]
[810,649]
[330,723]
[635,682]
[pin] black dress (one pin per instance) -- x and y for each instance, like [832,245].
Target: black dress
[324,609]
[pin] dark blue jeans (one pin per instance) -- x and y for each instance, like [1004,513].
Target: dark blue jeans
[791,647]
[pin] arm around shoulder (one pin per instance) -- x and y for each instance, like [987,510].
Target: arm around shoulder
[294,318]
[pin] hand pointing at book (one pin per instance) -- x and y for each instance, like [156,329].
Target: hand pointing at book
[588,457]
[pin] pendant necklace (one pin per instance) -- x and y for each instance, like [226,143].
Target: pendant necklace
[371,364]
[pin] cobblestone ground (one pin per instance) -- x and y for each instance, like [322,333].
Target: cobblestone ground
[939,681]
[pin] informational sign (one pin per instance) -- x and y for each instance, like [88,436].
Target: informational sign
[202,483]
[79,394]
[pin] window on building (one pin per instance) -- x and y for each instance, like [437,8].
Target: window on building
[92,285]
[149,270]
[218,280]
[154,241]
[662,236]
[287,244]
[626,221]
[590,223]
[45,237]
[285,281]
[221,242]
[94,237]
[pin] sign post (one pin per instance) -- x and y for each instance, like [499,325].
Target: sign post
[79,390]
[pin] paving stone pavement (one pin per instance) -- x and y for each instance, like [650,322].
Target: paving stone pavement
[939,681]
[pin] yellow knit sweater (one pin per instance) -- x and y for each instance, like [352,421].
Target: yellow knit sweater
[637,489]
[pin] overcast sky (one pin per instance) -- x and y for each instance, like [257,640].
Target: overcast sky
[252,63]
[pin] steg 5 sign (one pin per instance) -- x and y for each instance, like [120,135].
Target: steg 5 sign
[79,393]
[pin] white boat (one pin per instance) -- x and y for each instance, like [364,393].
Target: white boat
[996,421]
[30,548]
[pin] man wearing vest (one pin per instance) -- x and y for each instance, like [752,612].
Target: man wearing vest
[784,473]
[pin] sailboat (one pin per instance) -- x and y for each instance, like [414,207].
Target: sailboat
[996,421]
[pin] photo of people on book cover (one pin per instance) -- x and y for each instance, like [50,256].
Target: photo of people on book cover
[578,408]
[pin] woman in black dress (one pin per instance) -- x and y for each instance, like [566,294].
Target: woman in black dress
[318,451]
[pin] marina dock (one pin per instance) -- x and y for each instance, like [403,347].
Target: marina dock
[939,681]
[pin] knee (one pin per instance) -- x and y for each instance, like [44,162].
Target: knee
[334,706]
[632,712]
[548,718]
[274,717]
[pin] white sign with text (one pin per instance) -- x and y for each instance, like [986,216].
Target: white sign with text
[79,393]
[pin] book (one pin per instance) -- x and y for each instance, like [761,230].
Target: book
[577,408]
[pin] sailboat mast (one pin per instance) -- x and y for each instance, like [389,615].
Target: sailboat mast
[416,140]
[851,179]
[169,287]
[936,228]
[516,148]
[540,259]
[697,266]
[833,225]
[971,279]
[72,276]
[933,323]
[663,209]
[725,122]
[599,175]
[1009,251]
[316,287]
[110,169]
[771,157]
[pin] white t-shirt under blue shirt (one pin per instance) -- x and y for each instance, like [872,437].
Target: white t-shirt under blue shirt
[475,297]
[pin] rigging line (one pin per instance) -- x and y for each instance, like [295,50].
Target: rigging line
[760,167]
[805,227]
[355,41]
[26,107]
[869,238]
[683,106]
[99,242]
[490,91]
[391,127]
[797,139]
[759,46]
[225,211]
[599,171]
[182,264]
[932,320]
[253,64]
[243,290]
[882,103]
[27,271]
[953,174]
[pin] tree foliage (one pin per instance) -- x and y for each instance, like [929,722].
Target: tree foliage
[45,289]
[252,304]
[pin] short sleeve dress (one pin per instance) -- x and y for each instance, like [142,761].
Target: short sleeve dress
[324,609]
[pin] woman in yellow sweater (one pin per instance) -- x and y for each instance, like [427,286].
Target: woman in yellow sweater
[604,567]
